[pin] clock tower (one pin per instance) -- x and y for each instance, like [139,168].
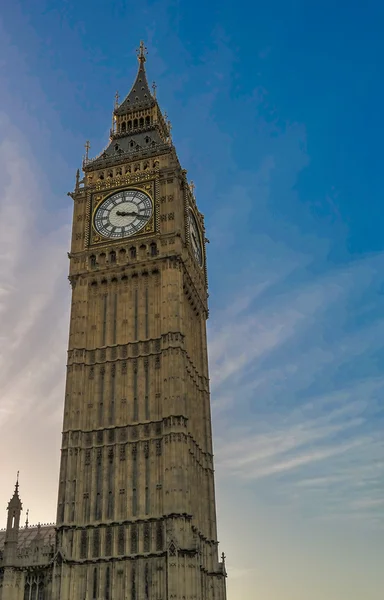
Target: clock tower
[136,512]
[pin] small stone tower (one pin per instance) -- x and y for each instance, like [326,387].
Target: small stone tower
[13,525]
[11,588]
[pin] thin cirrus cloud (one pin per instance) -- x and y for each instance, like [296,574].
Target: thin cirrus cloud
[34,304]
[297,388]
[295,355]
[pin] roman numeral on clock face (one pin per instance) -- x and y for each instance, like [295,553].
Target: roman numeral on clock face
[123,214]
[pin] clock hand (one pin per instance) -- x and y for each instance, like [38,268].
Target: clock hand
[123,213]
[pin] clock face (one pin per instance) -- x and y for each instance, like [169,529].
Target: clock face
[195,239]
[123,214]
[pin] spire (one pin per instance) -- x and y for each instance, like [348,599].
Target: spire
[140,94]
[15,502]
[13,523]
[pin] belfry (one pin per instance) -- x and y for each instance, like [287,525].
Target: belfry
[136,514]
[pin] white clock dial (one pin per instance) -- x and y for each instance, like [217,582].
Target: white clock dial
[195,239]
[123,214]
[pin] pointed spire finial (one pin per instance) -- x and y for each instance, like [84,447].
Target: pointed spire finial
[154,88]
[17,483]
[141,52]
[192,187]
[117,99]
[223,557]
[87,147]
[27,519]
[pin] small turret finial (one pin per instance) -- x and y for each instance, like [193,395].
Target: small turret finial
[192,187]
[117,99]
[27,519]
[17,483]
[87,147]
[223,557]
[141,52]
[169,130]
[154,88]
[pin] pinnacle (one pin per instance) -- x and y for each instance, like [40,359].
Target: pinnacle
[140,94]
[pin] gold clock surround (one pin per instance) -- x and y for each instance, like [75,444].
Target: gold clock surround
[98,197]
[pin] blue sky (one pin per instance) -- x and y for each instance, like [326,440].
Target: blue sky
[277,115]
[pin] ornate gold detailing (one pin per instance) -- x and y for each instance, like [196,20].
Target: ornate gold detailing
[148,186]
[124,180]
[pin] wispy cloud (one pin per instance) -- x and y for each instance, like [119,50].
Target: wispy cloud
[297,388]
[34,302]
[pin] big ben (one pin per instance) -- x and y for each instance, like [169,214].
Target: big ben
[136,509]
[136,513]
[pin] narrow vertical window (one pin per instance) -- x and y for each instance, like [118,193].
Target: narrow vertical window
[133,583]
[99,472]
[34,591]
[108,583]
[73,500]
[83,544]
[27,589]
[133,539]
[114,319]
[146,391]
[147,537]
[136,315]
[101,396]
[146,313]
[121,540]
[104,328]
[135,398]
[113,394]
[134,480]
[96,543]
[94,586]
[110,485]
[146,582]
[159,536]
[146,451]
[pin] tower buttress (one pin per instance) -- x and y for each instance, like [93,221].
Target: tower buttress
[13,525]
